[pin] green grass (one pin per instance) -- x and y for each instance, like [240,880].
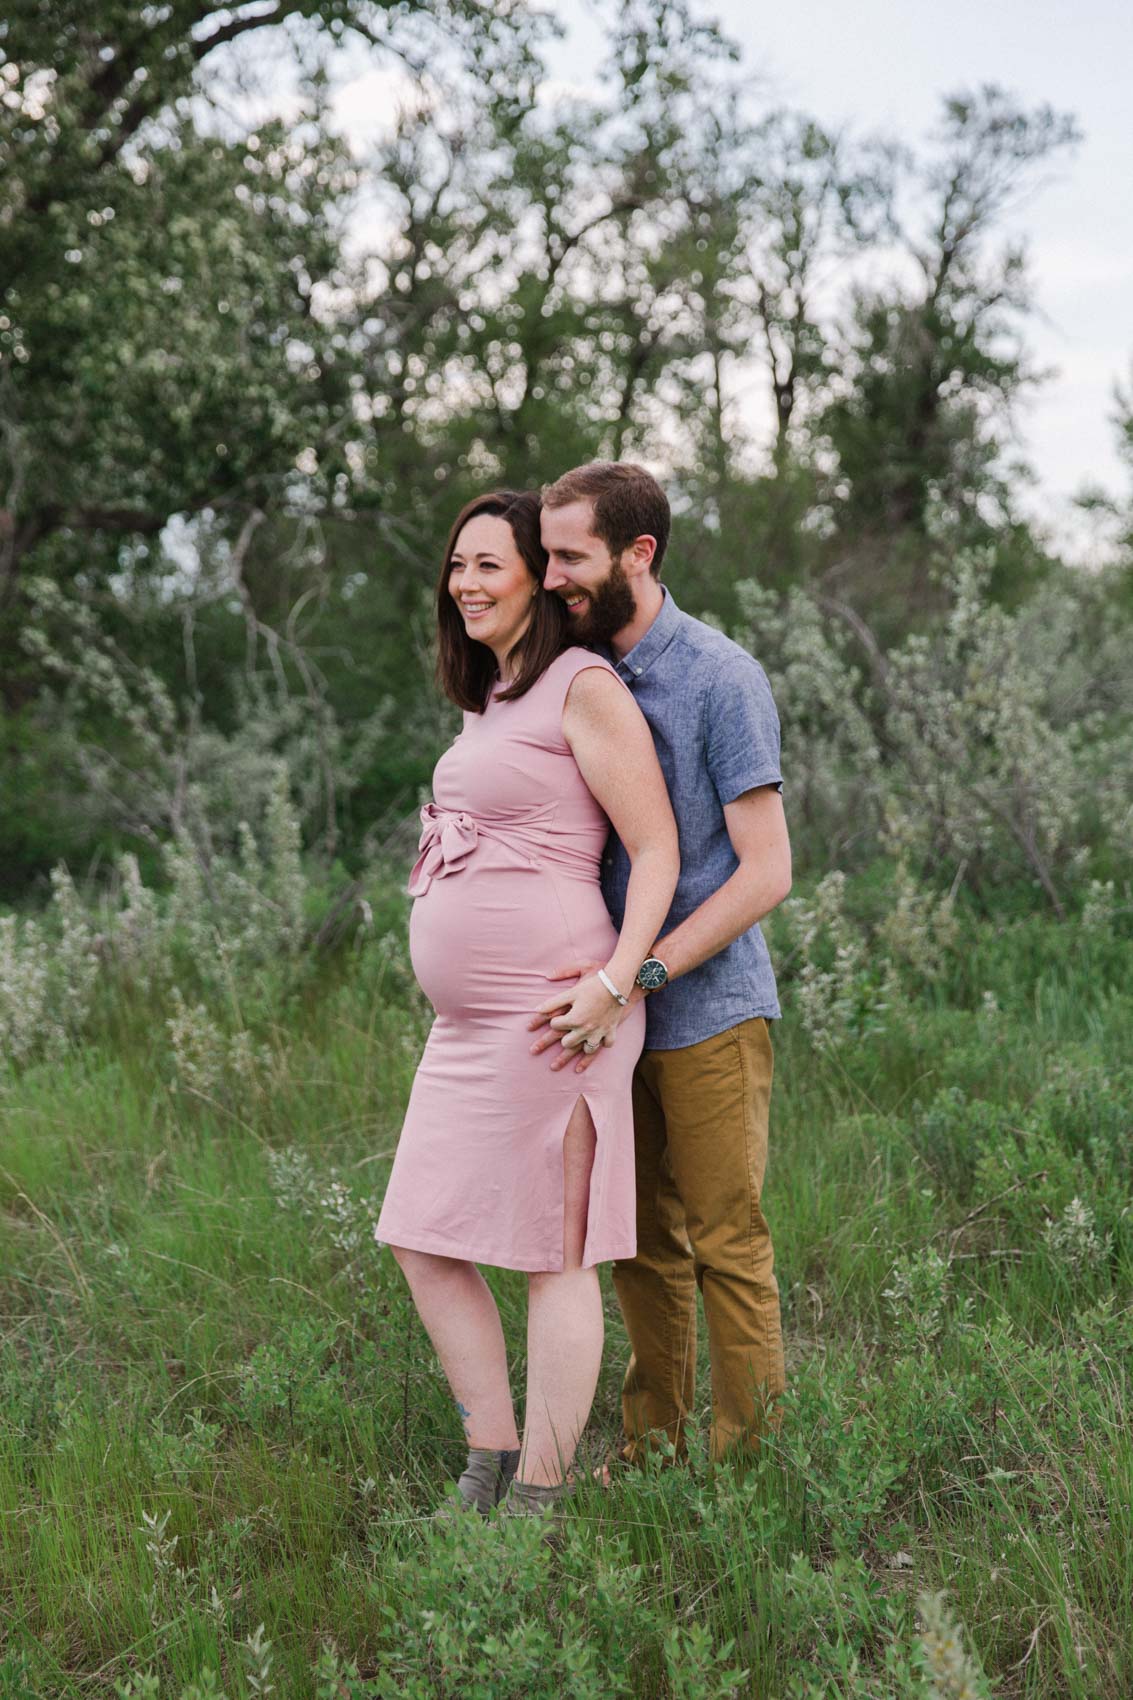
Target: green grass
[194,1345]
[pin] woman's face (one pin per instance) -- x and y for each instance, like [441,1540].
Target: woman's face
[490,583]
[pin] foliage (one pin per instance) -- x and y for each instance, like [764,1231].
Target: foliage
[162,266]
[221,1427]
[838,983]
[167,774]
[993,748]
[250,365]
[929,370]
[218,1385]
[226,929]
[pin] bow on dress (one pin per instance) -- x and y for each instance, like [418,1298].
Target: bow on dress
[447,840]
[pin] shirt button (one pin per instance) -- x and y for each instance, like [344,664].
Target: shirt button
[637,670]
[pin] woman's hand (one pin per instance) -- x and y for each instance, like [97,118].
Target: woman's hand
[586,1014]
[589,1015]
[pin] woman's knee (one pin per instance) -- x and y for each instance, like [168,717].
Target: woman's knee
[426,1265]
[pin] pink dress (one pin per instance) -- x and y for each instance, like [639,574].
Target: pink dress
[506,890]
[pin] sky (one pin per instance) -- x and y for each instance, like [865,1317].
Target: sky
[884,65]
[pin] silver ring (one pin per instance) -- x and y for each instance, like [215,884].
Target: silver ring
[591,1048]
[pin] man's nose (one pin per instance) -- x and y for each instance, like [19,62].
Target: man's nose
[554,578]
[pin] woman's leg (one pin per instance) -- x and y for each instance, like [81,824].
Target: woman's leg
[564,1328]
[461,1319]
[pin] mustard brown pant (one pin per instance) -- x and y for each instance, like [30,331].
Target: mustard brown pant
[700,1134]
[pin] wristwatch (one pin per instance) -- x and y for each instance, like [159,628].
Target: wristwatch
[652,974]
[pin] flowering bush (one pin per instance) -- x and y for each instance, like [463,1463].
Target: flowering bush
[339,1216]
[919,1296]
[226,817]
[172,778]
[27,1018]
[992,748]
[1072,1239]
[838,989]
[47,974]
[242,914]
[830,743]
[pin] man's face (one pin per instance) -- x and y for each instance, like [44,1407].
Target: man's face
[580,569]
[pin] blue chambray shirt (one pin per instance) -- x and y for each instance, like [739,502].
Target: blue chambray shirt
[713,719]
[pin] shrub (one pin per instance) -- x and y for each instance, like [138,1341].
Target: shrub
[992,747]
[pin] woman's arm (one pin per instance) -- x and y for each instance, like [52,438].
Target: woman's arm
[613,747]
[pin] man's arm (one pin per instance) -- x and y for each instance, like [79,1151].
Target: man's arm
[741,757]
[757,828]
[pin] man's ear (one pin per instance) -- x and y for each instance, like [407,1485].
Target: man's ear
[642,551]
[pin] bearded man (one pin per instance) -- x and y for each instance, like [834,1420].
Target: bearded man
[702,1089]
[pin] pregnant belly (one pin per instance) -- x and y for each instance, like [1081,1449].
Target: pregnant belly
[483,941]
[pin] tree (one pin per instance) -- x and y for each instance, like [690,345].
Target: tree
[813,202]
[160,347]
[932,368]
[790,207]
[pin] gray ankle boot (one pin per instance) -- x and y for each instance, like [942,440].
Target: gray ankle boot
[523,1499]
[484,1482]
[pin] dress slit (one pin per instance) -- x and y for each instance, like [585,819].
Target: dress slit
[593,1250]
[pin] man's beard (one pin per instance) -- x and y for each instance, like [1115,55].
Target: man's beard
[609,607]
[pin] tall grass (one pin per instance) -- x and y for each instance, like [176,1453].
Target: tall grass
[219,1412]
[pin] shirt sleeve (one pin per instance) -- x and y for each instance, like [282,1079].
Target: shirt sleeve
[741,732]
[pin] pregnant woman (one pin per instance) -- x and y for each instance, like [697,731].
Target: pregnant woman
[501,1160]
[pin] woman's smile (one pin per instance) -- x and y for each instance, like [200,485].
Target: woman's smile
[486,553]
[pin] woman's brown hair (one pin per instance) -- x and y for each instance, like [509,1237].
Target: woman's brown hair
[466,670]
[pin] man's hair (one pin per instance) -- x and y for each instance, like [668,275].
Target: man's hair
[628,503]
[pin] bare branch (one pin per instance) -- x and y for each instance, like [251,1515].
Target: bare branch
[850,617]
[236,27]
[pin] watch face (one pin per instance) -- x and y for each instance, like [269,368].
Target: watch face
[652,974]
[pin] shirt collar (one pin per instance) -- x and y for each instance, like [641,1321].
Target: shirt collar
[657,639]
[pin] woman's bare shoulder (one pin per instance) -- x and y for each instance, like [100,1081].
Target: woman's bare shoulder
[596,691]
